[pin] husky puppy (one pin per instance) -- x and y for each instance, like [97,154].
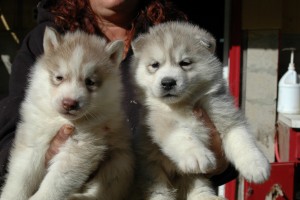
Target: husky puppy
[76,81]
[175,70]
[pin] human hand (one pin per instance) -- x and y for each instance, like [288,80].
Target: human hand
[216,142]
[59,139]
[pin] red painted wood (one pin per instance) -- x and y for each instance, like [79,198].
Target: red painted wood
[234,72]
[281,174]
[230,190]
[294,151]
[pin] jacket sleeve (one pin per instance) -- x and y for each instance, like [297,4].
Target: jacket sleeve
[32,47]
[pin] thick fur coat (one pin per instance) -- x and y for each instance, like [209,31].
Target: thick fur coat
[175,70]
[76,81]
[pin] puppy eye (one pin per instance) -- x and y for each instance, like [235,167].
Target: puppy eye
[155,65]
[89,82]
[59,78]
[185,63]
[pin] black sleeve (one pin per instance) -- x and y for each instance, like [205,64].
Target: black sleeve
[32,47]
[228,175]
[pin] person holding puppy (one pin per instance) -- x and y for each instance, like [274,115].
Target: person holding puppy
[112,19]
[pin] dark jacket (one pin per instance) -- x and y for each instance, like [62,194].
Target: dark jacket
[32,47]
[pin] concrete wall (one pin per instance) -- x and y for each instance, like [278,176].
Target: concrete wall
[260,86]
[265,34]
[268,26]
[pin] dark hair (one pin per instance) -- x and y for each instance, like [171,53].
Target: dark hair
[77,14]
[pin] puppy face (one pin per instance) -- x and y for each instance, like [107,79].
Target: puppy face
[82,70]
[175,60]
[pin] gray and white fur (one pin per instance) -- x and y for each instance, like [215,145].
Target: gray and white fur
[175,70]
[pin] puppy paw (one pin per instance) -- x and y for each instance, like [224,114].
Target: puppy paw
[196,161]
[256,170]
[207,197]
[207,162]
[213,198]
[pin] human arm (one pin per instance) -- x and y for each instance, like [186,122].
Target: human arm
[224,172]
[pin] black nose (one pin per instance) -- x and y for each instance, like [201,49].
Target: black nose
[70,104]
[168,83]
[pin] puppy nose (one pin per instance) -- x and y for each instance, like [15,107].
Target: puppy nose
[70,104]
[168,83]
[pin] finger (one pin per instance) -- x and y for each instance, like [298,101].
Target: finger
[58,140]
[64,133]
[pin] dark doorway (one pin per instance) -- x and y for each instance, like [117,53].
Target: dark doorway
[208,15]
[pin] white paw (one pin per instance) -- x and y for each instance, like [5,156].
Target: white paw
[197,161]
[214,198]
[256,170]
[74,197]
[161,197]
[207,197]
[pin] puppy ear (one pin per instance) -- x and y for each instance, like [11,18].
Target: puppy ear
[51,39]
[211,46]
[116,50]
[137,44]
[207,40]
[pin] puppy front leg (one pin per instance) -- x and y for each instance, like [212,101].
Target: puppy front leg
[238,141]
[161,191]
[69,170]
[241,149]
[201,189]
[26,169]
[189,151]
[113,180]
[157,185]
